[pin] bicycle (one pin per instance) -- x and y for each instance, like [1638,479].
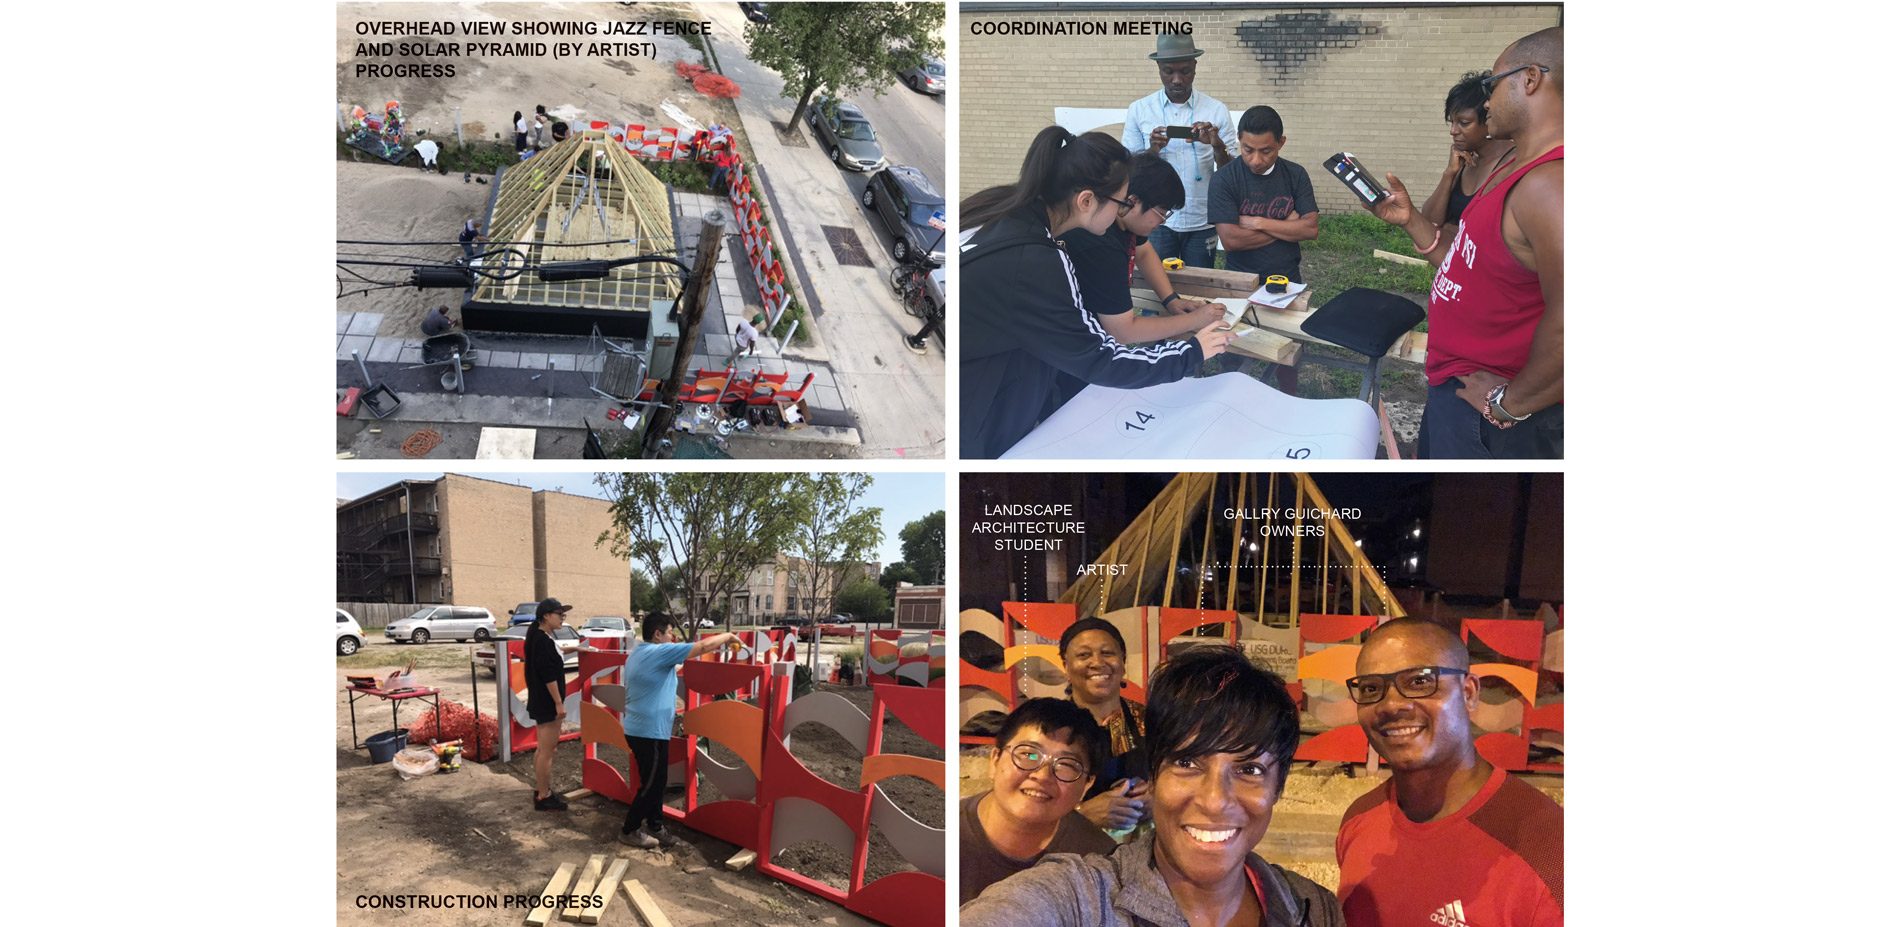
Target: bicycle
[911,280]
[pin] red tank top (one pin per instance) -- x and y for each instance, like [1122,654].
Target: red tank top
[1485,305]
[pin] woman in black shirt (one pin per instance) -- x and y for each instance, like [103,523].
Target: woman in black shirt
[1024,318]
[1474,153]
[547,692]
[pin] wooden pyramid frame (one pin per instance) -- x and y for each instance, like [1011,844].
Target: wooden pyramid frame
[586,189]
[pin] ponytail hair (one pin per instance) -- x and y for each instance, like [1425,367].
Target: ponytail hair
[1059,166]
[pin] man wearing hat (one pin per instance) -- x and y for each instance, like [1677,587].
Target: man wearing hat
[1187,234]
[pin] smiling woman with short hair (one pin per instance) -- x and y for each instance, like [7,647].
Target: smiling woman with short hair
[1221,733]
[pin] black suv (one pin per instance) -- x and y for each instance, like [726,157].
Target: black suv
[911,209]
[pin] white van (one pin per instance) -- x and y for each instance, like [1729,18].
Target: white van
[460,622]
[349,634]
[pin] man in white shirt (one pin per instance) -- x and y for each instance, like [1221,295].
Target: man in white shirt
[745,339]
[1188,234]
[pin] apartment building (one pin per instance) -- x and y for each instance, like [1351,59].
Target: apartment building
[463,540]
[781,588]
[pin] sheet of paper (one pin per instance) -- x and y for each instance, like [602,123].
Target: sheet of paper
[1229,416]
[1276,300]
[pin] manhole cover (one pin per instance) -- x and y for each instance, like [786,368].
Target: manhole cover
[846,247]
[789,137]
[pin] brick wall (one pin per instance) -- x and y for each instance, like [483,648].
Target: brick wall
[567,564]
[1369,79]
[488,543]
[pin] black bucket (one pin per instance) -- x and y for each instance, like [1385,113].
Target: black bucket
[384,747]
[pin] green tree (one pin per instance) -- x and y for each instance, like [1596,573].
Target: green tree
[923,548]
[899,572]
[844,47]
[865,599]
[834,534]
[640,594]
[711,529]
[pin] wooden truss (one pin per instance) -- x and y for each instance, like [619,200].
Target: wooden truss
[586,189]
[1344,581]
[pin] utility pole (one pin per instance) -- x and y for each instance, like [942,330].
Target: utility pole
[712,237]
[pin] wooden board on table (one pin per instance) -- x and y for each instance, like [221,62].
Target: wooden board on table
[1206,282]
[543,913]
[1265,345]
[1399,258]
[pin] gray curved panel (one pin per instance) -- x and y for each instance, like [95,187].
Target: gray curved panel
[920,844]
[795,820]
[916,672]
[735,782]
[833,711]
[611,695]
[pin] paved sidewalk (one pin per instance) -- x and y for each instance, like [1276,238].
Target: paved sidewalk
[897,397]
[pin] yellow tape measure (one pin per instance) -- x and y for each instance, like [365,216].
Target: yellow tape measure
[1173,264]
[1276,284]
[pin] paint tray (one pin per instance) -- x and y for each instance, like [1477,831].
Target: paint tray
[380,400]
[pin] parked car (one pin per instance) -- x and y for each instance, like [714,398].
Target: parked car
[845,135]
[929,77]
[458,622]
[523,614]
[805,632]
[606,626]
[911,209]
[755,12]
[349,634]
[567,638]
[705,623]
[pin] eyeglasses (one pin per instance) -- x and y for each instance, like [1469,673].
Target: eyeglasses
[1126,207]
[1491,82]
[1029,759]
[1417,682]
[1165,214]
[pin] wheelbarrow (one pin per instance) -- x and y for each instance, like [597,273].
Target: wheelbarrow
[451,351]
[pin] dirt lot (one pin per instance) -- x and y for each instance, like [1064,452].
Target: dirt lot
[473,832]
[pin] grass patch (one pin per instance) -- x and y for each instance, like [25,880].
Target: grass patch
[390,658]
[686,176]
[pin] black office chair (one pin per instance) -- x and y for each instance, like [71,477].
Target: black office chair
[1367,322]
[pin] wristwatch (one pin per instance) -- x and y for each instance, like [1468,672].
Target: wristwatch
[1171,297]
[1495,399]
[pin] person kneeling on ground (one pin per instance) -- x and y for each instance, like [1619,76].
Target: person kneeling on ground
[437,322]
[648,723]
[1045,757]
[1222,733]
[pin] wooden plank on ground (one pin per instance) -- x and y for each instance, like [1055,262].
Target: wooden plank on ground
[577,794]
[742,859]
[1399,258]
[542,913]
[605,891]
[590,877]
[643,903]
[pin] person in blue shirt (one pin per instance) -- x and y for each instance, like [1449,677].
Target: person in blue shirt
[648,722]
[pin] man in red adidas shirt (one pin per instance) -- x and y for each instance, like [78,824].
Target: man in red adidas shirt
[1496,358]
[1450,840]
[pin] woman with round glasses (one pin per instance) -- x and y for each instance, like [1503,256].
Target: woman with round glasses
[1221,732]
[1095,660]
[1045,755]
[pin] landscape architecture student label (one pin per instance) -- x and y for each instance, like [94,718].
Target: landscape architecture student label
[1261,232]
[674,230]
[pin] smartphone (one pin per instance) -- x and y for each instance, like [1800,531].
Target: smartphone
[1355,177]
[1181,132]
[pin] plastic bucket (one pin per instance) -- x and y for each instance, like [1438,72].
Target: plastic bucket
[384,747]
